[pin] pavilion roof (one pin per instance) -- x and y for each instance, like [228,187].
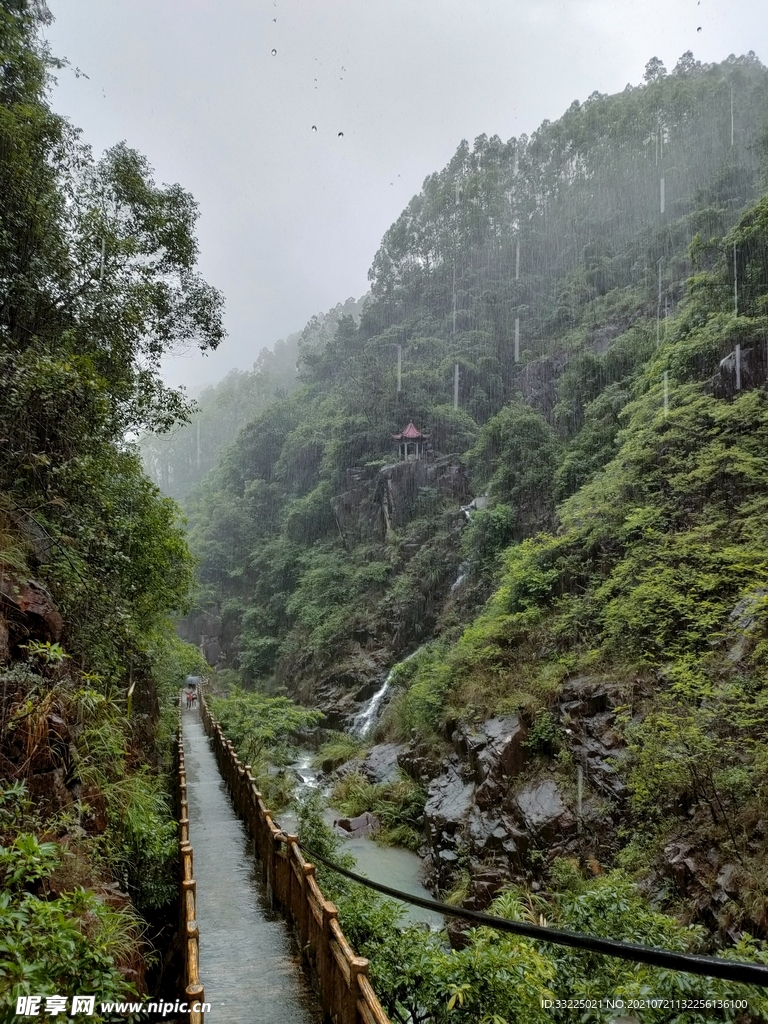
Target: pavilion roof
[410,433]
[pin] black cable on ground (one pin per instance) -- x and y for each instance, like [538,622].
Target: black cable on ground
[690,963]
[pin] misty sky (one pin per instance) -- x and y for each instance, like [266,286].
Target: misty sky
[291,217]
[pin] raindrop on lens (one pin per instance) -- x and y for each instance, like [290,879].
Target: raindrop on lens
[314,127]
[341,135]
[274,53]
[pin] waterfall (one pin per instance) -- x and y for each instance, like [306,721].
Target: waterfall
[363,721]
[463,573]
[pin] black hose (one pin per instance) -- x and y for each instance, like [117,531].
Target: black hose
[690,963]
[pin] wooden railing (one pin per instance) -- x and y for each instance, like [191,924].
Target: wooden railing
[193,989]
[340,977]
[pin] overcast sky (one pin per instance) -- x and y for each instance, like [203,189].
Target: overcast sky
[222,96]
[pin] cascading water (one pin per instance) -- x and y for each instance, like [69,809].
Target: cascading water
[364,719]
[463,573]
[388,864]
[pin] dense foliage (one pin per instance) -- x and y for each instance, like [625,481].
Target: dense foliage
[179,459]
[54,942]
[264,731]
[547,270]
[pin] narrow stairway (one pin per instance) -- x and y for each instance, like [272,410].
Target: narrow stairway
[250,973]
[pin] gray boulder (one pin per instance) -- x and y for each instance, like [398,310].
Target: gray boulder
[362,825]
[381,764]
[543,809]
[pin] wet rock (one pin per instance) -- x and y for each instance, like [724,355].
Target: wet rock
[448,801]
[681,863]
[495,752]
[458,933]
[585,697]
[30,610]
[372,507]
[338,690]
[493,749]
[598,756]
[727,879]
[363,825]
[381,764]
[494,835]
[487,880]
[416,762]
[543,809]
[337,772]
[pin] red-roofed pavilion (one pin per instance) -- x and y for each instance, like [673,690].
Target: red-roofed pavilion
[411,442]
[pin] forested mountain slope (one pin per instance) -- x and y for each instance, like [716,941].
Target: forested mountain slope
[179,459]
[602,286]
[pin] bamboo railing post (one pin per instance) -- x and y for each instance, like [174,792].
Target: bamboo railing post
[305,912]
[358,967]
[326,967]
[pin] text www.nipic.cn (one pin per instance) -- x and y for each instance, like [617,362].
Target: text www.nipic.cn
[51,1006]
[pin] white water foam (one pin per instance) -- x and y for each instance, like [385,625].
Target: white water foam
[364,719]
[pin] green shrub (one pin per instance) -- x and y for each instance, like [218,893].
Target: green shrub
[398,805]
[72,942]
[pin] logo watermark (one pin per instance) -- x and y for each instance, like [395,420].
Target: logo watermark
[53,1006]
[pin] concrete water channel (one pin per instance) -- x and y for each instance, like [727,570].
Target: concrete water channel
[249,967]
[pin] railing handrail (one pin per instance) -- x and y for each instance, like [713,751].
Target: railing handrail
[190,934]
[691,963]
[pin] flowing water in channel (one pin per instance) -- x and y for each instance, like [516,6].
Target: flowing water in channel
[366,718]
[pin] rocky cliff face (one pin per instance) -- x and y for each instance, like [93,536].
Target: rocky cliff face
[375,505]
[497,811]
[27,612]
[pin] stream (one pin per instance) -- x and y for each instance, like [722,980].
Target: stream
[389,865]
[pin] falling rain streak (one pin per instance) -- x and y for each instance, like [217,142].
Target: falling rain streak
[735,283]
